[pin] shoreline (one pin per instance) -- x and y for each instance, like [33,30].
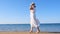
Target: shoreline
[29,33]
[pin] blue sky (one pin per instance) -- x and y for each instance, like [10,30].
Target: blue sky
[17,11]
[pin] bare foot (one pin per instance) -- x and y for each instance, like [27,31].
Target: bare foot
[38,31]
[30,31]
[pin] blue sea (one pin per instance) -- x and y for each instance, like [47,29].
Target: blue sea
[26,27]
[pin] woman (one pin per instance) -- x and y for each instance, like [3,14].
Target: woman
[33,21]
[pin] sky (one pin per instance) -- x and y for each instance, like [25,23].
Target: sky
[17,11]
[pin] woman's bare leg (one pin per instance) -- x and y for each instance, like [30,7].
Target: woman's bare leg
[31,30]
[38,30]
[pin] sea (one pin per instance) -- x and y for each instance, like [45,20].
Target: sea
[55,27]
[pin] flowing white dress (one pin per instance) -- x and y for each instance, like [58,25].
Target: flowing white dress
[34,22]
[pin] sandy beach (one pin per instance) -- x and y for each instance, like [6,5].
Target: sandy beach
[28,33]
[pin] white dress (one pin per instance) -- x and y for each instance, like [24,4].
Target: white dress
[33,21]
